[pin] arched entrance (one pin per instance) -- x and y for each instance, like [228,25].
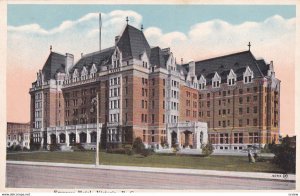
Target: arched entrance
[201,137]
[53,138]
[82,137]
[188,139]
[93,137]
[72,139]
[174,138]
[62,138]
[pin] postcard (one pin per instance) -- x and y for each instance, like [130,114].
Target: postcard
[114,98]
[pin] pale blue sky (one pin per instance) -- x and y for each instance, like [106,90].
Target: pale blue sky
[166,17]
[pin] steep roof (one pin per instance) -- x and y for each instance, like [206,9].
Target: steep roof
[238,62]
[99,58]
[133,43]
[157,57]
[54,63]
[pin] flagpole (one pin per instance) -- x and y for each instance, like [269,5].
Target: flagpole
[100,26]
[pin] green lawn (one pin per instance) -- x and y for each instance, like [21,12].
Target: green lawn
[225,163]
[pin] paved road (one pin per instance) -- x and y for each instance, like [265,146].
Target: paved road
[29,176]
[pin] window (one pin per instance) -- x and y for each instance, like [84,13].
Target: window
[255,109]
[208,113]
[240,122]
[248,110]
[144,135]
[152,137]
[224,138]
[212,138]
[152,118]
[241,91]
[241,100]
[240,111]
[238,138]
[248,99]
[253,138]
[208,104]
[255,122]
[255,98]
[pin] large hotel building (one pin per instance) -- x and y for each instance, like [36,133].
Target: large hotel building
[229,101]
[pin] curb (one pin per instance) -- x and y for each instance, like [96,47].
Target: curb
[233,174]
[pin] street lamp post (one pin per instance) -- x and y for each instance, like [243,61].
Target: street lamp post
[98,134]
[96,99]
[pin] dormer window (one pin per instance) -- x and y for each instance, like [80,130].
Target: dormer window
[75,76]
[116,58]
[248,75]
[93,71]
[145,64]
[84,73]
[202,83]
[231,78]
[216,80]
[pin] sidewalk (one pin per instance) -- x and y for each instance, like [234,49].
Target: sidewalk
[253,175]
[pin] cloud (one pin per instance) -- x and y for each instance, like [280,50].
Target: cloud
[272,39]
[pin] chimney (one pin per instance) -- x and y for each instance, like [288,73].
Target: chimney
[271,69]
[117,38]
[192,68]
[69,62]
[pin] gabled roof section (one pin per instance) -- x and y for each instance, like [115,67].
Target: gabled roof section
[223,64]
[55,63]
[133,43]
[263,66]
[157,57]
[99,58]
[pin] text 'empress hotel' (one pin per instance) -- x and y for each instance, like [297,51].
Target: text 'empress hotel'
[230,101]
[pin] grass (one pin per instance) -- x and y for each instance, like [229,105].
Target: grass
[224,163]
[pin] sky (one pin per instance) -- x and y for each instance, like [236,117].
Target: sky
[191,31]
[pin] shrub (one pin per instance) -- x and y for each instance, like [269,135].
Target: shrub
[176,148]
[207,149]
[17,148]
[146,152]
[35,146]
[78,147]
[285,155]
[54,147]
[129,151]
[138,145]
[25,149]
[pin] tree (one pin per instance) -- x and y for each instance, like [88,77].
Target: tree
[207,149]
[285,154]
[138,145]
